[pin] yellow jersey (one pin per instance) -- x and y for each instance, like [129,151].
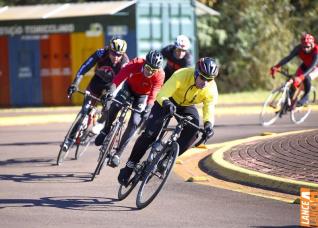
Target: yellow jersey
[181,87]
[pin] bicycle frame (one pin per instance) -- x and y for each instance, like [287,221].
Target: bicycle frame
[114,133]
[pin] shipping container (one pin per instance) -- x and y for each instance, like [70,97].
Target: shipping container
[24,68]
[48,45]
[4,73]
[55,68]
[159,22]
[82,47]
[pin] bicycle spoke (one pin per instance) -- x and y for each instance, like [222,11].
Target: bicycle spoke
[299,114]
[272,108]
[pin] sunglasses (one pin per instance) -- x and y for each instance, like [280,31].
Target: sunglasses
[113,53]
[203,77]
[180,50]
[150,69]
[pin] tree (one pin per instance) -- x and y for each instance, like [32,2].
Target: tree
[250,36]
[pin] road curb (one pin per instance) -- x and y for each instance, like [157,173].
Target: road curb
[235,173]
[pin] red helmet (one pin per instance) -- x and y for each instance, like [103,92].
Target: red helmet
[307,39]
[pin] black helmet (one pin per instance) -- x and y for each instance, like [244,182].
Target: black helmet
[207,68]
[154,58]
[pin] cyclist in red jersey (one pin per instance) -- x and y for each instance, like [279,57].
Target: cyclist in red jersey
[143,80]
[307,51]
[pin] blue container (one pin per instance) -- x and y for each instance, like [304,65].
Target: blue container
[24,62]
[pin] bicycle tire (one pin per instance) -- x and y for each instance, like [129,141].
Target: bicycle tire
[172,152]
[63,154]
[272,107]
[110,140]
[83,145]
[299,114]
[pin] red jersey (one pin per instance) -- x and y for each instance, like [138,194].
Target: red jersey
[308,58]
[137,82]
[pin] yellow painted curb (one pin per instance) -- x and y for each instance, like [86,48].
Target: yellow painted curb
[243,175]
[198,179]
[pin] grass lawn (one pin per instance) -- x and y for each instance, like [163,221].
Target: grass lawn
[254,97]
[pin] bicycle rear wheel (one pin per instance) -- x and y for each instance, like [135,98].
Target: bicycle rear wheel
[299,114]
[156,175]
[272,107]
[63,154]
[106,148]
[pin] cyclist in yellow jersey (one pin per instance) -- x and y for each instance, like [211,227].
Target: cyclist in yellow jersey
[185,88]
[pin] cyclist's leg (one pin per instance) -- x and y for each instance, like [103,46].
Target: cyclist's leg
[122,96]
[307,85]
[189,134]
[139,103]
[153,127]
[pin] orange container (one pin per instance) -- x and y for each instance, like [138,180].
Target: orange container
[55,68]
[4,73]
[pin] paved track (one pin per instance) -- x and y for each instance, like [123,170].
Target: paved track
[36,193]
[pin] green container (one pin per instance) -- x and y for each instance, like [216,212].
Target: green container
[160,22]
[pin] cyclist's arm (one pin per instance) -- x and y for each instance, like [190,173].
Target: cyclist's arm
[158,82]
[165,51]
[188,60]
[209,105]
[169,88]
[289,57]
[88,64]
[124,73]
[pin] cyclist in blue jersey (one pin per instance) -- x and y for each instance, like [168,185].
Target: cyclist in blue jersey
[107,61]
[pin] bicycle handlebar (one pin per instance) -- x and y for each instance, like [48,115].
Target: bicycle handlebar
[285,73]
[204,137]
[87,93]
[127,104]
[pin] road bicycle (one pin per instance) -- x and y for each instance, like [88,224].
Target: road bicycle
[80,129]
[154,171]
[284,99]
[113,138]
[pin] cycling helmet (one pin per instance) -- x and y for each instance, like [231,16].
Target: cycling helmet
[182,42]
[154,59]
[118,46]
[207,68]
[307,39]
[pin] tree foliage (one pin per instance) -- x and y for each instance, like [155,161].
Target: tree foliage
[250,36]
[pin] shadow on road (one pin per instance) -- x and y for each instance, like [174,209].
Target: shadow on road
[45,177]
[27,162]
[29,143]
[85,203]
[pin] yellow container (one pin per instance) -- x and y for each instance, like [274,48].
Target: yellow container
[83,46]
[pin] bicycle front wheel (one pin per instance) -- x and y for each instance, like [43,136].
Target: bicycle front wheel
[87,138]
[272,107]
[299,114]
[123,190]
[156,175]
[63,154]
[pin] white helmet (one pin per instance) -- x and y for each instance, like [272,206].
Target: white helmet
[182,42]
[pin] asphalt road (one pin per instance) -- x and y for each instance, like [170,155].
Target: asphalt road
[36,193]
